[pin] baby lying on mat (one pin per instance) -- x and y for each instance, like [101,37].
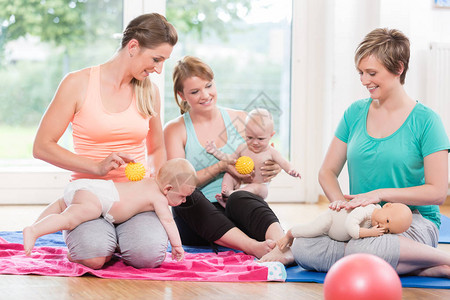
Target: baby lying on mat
[88,199]
[364,221]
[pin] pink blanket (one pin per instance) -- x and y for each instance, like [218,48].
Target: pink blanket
[225,266]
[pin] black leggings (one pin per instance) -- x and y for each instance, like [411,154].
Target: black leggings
[201,222]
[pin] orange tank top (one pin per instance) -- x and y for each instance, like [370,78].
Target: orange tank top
[97,132]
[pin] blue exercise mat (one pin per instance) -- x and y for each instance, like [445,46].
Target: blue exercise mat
[294,274]
[298,274]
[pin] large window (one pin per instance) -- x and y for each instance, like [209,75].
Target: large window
[40,42]
[247,44]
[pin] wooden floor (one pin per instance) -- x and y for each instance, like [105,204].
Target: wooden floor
[89,287]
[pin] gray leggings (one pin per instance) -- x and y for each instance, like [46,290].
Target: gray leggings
[142,240]
[320,253]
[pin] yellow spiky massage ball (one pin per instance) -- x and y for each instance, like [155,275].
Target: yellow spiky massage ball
[135,171]
[244,165]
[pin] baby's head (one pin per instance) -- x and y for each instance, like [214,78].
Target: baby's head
[177,179]
[258,129]
[394,217]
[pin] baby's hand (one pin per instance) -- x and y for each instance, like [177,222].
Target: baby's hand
[284,242]
[177,253]
[377,230]
[210,147]
[294,173]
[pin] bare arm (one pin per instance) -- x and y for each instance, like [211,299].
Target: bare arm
[284,164]
[175,140]
[433,192]
[165,216]
[212,149]
[66,102]
[331,168]
[156,151]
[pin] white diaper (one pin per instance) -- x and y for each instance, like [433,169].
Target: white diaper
[105,190]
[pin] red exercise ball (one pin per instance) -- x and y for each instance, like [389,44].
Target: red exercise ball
[362,276]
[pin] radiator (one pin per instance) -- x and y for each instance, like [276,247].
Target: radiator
[438,85]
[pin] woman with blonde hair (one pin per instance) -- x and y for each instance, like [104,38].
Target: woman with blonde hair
[114,110]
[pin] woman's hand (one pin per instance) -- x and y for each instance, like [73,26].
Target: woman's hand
[364,199]
[112,162]
[231,168]
[337,205]
[269,170]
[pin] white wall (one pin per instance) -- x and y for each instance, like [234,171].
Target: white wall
[334,31]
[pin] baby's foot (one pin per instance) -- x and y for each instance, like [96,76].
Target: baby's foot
[225,191]
[29,238]
[221,200]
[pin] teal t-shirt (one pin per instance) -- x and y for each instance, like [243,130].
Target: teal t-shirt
[200,159]
[396,161]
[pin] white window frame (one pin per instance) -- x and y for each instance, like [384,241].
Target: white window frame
[23,186]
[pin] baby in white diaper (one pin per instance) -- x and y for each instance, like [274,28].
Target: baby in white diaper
[88,199]
[105,191]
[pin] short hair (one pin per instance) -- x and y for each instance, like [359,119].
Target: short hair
[177,171]
[188,66]
[390,46]
[260,116]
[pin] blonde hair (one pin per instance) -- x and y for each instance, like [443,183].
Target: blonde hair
[390,46]
[260,116]
[177,172]
[188,66]
[150,30]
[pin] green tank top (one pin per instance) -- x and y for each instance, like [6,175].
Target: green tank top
[200,159]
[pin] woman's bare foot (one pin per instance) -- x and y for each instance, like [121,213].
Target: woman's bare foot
[285,257]
[262,248]
[29,238]
[438,271]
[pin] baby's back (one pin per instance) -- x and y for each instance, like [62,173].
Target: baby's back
[135,197]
